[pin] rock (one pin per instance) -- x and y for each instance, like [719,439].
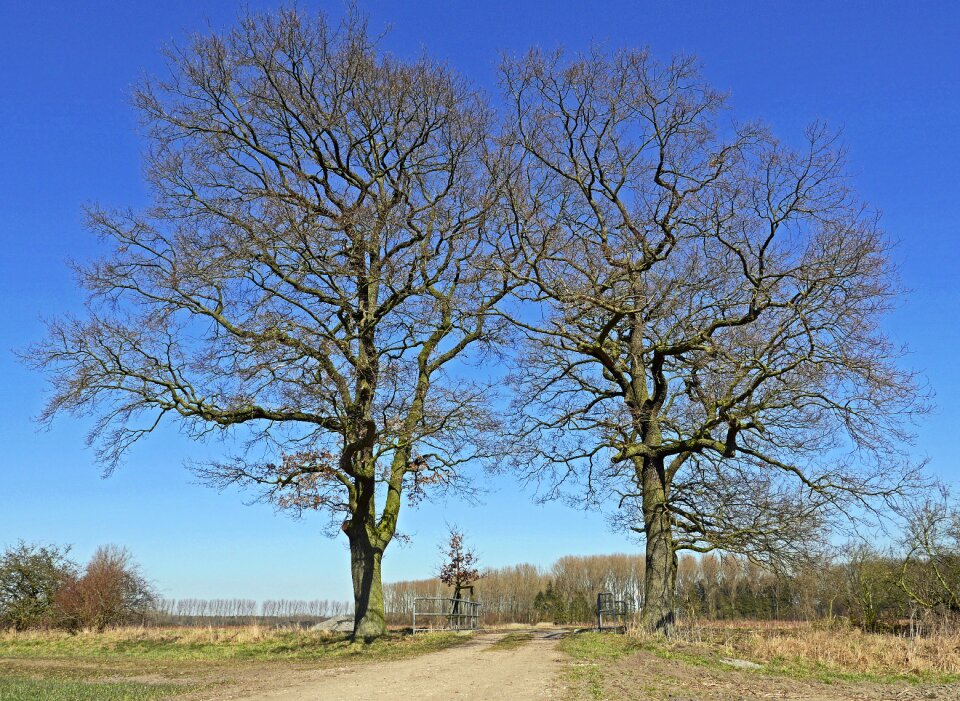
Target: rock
[337,624]
[740,664]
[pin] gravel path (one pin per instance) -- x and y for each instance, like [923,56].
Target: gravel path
[469,672]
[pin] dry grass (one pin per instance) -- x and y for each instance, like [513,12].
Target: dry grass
[183,634]
[836,651]
[852,650]
[220,643]
[148,663]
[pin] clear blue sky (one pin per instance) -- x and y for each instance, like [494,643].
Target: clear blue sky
[888,73]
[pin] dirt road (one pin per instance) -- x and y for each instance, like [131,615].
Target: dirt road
[475,671]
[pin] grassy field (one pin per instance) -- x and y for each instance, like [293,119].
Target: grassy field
[711,660]
[140,664]
[702,663]
[32,689]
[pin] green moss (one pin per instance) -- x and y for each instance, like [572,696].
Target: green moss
[590,651]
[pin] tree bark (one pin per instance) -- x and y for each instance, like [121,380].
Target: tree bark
[369,616]
[660,576]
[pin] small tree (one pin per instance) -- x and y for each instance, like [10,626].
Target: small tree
[580,610]
[459,569]
[541,606]
[873,597]
[30,577]
[111,591]
[930,572]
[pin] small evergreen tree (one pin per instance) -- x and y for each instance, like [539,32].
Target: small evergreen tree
[541,606]
[580,610]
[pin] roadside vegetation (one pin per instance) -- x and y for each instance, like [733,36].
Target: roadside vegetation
[134,663]
[41,587]
[205,644]
[747,655]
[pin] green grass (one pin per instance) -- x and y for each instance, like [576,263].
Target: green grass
[589,651]
[28,689]
[599,647]
[511,641]
[588,674]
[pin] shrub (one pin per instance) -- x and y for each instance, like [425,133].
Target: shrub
[111,591]
[30,578]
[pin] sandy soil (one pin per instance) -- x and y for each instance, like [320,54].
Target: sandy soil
[469,672]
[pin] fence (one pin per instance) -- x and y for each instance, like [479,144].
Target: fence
[436,613]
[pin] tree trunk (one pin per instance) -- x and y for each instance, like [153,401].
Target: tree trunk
[369,619]
[660,577]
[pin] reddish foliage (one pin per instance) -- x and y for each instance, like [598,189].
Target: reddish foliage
[460,568]
[110,591]
[308,480]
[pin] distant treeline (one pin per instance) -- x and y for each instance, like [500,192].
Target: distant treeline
[230,611]
[564,593]
[40,587]
[869,588]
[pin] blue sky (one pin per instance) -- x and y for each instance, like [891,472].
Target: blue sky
[887,73]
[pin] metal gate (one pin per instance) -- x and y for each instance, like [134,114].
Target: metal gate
[434,613]
[611,613]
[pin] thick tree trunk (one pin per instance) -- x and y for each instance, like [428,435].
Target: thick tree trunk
[660,576]
[369,617]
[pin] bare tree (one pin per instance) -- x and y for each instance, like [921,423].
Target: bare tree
[111,591]
[701,305]
[460,566]
[930,572]
[311,275]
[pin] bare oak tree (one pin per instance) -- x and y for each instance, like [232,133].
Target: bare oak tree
[311,274]
[704,338]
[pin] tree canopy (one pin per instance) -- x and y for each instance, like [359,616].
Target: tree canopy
[708,342]
[335,233]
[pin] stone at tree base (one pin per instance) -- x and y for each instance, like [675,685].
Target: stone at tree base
[336,624]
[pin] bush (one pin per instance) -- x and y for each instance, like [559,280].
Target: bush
[30,578]
[111,591]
